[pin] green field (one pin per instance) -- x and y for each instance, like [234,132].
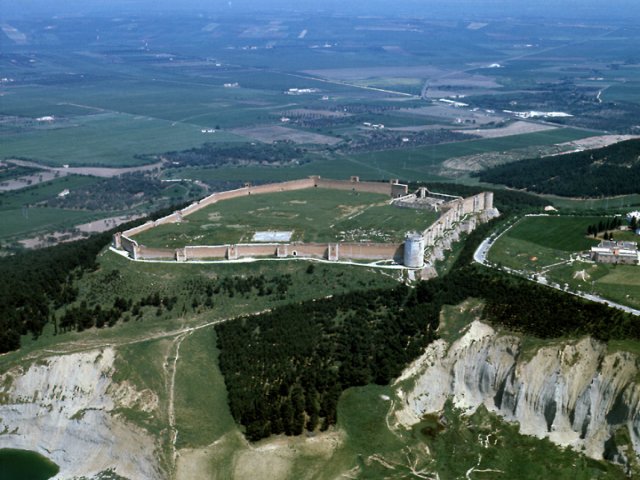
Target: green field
[537,242]
[417,164]
[32,220]
[43,191]
[108,139]
[619,283]
[22,217]
[543,245]
[316,215]
[420,163]
[597,204]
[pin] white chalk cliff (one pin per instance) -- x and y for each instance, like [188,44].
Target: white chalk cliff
[65,408]
[576,394]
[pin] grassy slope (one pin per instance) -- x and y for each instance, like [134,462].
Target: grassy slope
[361,443]
[201,399]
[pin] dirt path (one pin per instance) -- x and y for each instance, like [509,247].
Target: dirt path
[83,346]
[171,368]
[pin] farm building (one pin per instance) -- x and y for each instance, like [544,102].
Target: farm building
[609,251]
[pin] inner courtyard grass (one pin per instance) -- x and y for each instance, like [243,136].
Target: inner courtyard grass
[314,215]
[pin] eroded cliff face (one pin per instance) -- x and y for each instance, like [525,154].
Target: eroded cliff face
[65,407]
[576,394]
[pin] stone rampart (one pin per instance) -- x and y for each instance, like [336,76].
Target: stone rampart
[313,250]
[172,218]
[156,253]
[371,251]
[244,191]
[390,189]
[129,245]
[458,216]
[203,252]
[256,250]
[344,251]
[139,229]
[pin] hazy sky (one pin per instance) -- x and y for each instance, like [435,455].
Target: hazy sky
[589,9]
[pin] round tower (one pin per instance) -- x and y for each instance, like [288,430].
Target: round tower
[414,250]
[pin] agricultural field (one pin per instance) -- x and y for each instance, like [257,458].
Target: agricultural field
[544,246]
[537,242]
[18,223]
[316,215]
[106,139]
[58,209]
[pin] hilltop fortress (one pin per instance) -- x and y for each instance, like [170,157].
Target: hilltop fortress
[419,250]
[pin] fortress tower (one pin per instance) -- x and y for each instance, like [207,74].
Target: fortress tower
[414,250]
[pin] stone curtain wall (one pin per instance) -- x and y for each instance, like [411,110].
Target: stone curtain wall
[393,189]
[459,216]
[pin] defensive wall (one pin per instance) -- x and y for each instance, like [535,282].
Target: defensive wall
[458,216]
[393,189]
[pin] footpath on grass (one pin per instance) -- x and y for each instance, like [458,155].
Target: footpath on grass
[482,252]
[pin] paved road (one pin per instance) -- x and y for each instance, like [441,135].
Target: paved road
[480,256]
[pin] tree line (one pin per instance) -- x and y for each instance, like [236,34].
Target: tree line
[604,225]
[608,171]
[36,283]
[219,154]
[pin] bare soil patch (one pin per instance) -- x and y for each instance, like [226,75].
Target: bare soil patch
[30,180]
[299,112]
[597,142]
[273,133]
[453,114]
[516,128]
[371,72]
[104,172]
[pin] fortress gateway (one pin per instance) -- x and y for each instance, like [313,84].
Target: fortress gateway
[457,215]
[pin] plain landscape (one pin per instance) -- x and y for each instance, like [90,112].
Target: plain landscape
[511,353]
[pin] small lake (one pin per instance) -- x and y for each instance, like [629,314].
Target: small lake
[25,465]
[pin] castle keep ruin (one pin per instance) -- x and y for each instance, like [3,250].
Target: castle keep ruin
[458,215]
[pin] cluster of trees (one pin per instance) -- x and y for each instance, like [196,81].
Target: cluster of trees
[604,225]
[286,369]
[564,95]
[82,317]
[386,140]
[10,171]
[198,295]
[36,283]
[240,154]
[608,171]
[202,290]
[33,284]
[117,193]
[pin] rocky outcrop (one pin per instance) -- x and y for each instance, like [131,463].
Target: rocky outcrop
[576,394]
[65,408]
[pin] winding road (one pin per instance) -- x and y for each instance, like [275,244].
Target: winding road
[480,256]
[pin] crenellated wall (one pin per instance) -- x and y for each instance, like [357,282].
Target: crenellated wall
[457,216]
[392,189]
[344,251]
[249,190]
